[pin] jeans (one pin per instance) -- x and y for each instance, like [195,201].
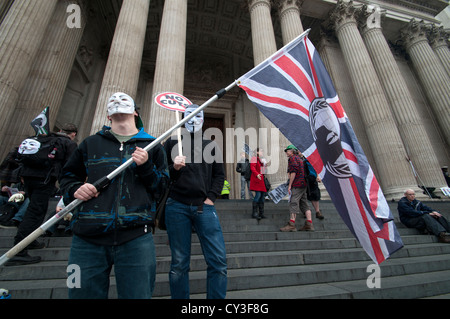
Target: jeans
[244,182]
[180,219]
[259,197]
[134,266]
[432,224]
[39,194]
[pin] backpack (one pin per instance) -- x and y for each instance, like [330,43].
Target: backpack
[8,211]
[40,152]
[310,173]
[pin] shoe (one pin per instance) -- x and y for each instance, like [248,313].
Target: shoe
[319,215]
[307,227]
[290,226]
[444,237]
[36,245]
[22,258]
[10,224]
[261,210]
[255,210]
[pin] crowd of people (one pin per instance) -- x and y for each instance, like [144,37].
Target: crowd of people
[113,224]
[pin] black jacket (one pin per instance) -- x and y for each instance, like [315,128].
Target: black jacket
[408,210]
[202,177]
[64,147]
[126,207]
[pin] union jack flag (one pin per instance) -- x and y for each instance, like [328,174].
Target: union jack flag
[294,91]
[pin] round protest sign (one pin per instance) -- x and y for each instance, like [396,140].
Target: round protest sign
[172,101]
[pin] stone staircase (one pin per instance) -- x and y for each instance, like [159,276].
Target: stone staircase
[266,263]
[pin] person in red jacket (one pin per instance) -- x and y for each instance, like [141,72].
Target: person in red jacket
[257,166]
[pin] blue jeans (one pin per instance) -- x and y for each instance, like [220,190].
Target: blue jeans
[259,197]
[180,219]
[134,265]
[243,183]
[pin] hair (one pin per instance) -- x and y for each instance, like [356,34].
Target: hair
[69,128]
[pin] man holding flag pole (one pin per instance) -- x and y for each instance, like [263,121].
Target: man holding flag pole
[114,226]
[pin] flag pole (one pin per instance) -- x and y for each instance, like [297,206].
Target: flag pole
[104,182]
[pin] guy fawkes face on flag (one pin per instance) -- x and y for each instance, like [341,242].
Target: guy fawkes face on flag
[326,132]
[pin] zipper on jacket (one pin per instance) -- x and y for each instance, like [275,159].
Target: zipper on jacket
[116,221]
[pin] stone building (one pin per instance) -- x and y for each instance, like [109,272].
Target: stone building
[389,61]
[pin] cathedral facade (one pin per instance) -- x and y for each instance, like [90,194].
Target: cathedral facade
[389,61]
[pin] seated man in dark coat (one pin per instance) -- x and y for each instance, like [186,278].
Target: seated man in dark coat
[414,214]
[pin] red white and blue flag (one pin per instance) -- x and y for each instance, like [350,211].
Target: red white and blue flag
[294,91]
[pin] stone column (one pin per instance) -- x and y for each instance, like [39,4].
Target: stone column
[263,36]
[291,25]
[409,123]
[431,73]
[4,7]
[395,175]
[21,34]
[125,57]
[170,63]
[270,139]
[48,78]
[439,42]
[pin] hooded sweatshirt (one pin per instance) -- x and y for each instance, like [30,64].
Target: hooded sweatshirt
[125,209]
[202,177]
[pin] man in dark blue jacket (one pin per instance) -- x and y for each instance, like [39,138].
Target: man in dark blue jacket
[113,227]
[414,214]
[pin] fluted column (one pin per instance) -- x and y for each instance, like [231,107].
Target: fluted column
[291,25]
[263,36]
[125,57]
[48,78]
[439,39]
[264,45]
[170,63]
[394,172]
[431,73]
[409,123]
[21,34]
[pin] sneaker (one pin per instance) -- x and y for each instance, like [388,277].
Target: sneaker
[307,227]
[290,226]
[22,258]
[319,215]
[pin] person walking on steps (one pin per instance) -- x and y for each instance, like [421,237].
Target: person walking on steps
[297,191]
[41,160]
[257,166]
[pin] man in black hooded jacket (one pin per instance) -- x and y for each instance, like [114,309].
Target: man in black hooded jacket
[114,226]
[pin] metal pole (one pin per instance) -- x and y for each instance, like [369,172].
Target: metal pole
[103,182]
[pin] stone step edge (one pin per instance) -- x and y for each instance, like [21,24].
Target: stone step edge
[398,267]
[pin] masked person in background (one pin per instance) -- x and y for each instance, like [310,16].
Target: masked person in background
[197,180]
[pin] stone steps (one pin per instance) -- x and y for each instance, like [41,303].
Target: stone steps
[266,263]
